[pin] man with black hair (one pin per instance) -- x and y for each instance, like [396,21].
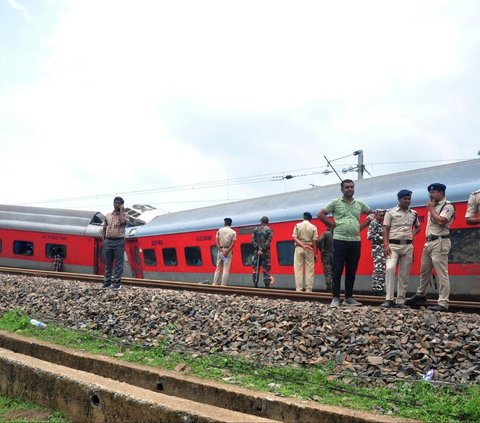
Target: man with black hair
[435,252]
[113,236]
[400,226]
[261,239]
[305,235]
[225,240]
[346,212]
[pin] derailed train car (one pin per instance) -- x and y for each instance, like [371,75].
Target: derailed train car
[31,236]
[181,246]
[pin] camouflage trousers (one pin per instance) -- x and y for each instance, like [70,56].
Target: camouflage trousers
[378,276]
[264,262]
[327,261]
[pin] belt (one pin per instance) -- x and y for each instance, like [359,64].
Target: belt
[435,237]
[400,241]
[114,239]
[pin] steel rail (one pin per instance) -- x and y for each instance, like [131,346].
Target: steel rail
[325,297]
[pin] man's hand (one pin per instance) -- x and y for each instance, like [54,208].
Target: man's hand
[386,250]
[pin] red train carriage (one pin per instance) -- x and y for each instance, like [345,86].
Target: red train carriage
[30,237]
[181,246]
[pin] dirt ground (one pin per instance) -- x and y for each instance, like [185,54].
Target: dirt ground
[29,415]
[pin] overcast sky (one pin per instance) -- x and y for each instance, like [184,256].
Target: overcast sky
[181,104]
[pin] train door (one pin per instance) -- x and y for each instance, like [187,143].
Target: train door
[133,252]
[99,259]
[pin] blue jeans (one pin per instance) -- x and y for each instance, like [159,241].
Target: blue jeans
[113,250]
[345,254]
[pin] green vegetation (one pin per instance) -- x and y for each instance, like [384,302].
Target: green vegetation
[422,400]
[15,410]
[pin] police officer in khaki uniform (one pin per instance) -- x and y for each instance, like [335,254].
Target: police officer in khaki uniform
[225,240]
[305,235]
[400,225]
[473,209]
[437,246]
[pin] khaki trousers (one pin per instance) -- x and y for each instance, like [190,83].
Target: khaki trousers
[435,256]
[303,259]
[225,265]
[402,255]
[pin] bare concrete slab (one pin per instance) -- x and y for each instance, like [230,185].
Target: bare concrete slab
[235,398]
[86,397]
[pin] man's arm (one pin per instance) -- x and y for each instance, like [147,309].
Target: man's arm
[322,215]
[439,220]
[254,240]
[231,246]
[301,244]
[386,245]
[472,209]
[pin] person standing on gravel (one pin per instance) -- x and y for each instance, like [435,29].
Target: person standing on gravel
[305,235]
[435,252]
[113,236]
[325,246]
[400,225]
[261,239]
[346,212]
[225,240]
[375,235]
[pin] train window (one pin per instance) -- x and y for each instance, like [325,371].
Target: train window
[170,256]
[51,250]
[23,248]
[246,230]
[136,254]
[0,245]
[193,256]
[149,257]
[247,254]
[464,246]
[214,254]
[285,251]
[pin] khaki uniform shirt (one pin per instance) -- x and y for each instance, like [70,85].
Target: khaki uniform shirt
[401,223]
[226,236]
[473,206]
[445,209]
[306,232]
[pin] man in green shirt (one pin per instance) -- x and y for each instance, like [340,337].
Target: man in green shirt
[346,228]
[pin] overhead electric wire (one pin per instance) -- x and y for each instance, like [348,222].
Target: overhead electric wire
[221,183]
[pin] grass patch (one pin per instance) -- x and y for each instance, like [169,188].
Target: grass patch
[420,400]
[16,410]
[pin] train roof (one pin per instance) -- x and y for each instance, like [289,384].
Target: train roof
[60,221]
[461,179]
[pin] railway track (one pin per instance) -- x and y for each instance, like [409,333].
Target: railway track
[324,297]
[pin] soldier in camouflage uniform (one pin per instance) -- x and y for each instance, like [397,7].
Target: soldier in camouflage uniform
[325,246]
[261,239]
[375,234]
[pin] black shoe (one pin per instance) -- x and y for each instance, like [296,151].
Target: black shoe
[387,304]
[437,308]
[402,306]
[415,300]
[105,286]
